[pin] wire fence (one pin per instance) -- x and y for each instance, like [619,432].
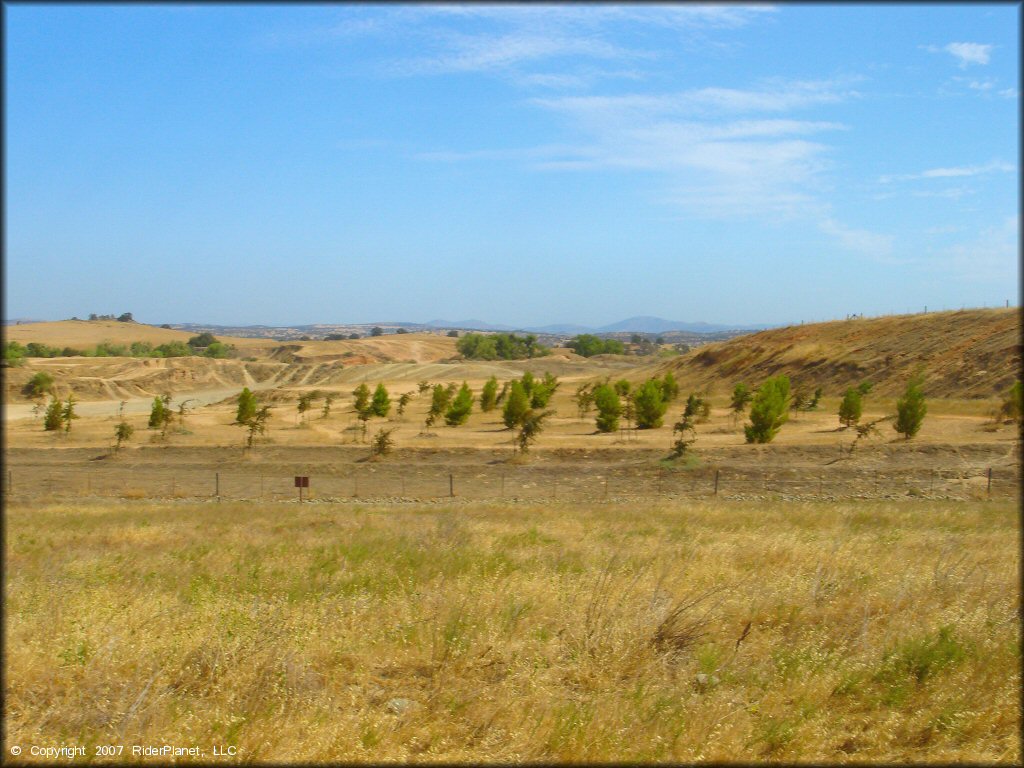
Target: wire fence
[395,484]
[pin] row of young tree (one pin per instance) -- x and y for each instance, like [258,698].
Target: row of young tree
[203,345]
[524,404]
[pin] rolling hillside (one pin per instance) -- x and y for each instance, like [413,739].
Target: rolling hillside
[964,354]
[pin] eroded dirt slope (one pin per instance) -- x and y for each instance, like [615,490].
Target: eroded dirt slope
[965,354]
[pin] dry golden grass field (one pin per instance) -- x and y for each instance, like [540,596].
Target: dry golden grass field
[717,631]
[819,598]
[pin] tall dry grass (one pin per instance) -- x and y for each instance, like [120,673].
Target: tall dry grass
[706,631]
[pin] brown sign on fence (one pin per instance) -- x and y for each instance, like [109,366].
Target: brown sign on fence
[301,482]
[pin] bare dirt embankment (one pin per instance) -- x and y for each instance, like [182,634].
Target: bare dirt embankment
[967,354]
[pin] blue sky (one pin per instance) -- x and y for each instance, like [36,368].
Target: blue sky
[520,165]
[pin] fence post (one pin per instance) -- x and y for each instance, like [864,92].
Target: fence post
[216,487]
[717,472]
[355,488]
[451,484]
[10,482]
[502,485]
[606,489]
[988,490]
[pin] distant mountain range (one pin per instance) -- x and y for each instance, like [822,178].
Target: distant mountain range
[639,324]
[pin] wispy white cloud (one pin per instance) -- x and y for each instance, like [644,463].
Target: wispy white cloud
[969,53]
[996,166]
[992,254]
[1010,93]
[860,241]
[507,40]
[966,54]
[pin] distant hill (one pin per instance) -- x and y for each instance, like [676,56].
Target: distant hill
[647,324]
[969,353]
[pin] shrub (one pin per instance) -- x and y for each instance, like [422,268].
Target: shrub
[122,432]
[39,385]
[174,349]
[202,340]
[14,353]
[382,442]
[53,419]
[768,411]
[1013,403]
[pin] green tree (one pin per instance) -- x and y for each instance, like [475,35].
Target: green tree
[304,404]
[381,404]
[864,387]
[40,385]
[516,405]
[202,341]
[741,397]
[542,390]
[649,405]
[622,387]
[530,427]
[361,395]
[376,331]
[489,396]
[14,353]
[850,408]
[458,411]
[438,404]
[669,387]
[403,401]
[911,409]
[528,382]
[122,432]
[697,409]
[768,411]
[683,436]
[67,414]
[246,406]
[256,424]
[328,400]
[584,399]
[1013,404]
[502,394]
[157,412]
[814,400]
[53,419]
[382,442]
[609,408]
